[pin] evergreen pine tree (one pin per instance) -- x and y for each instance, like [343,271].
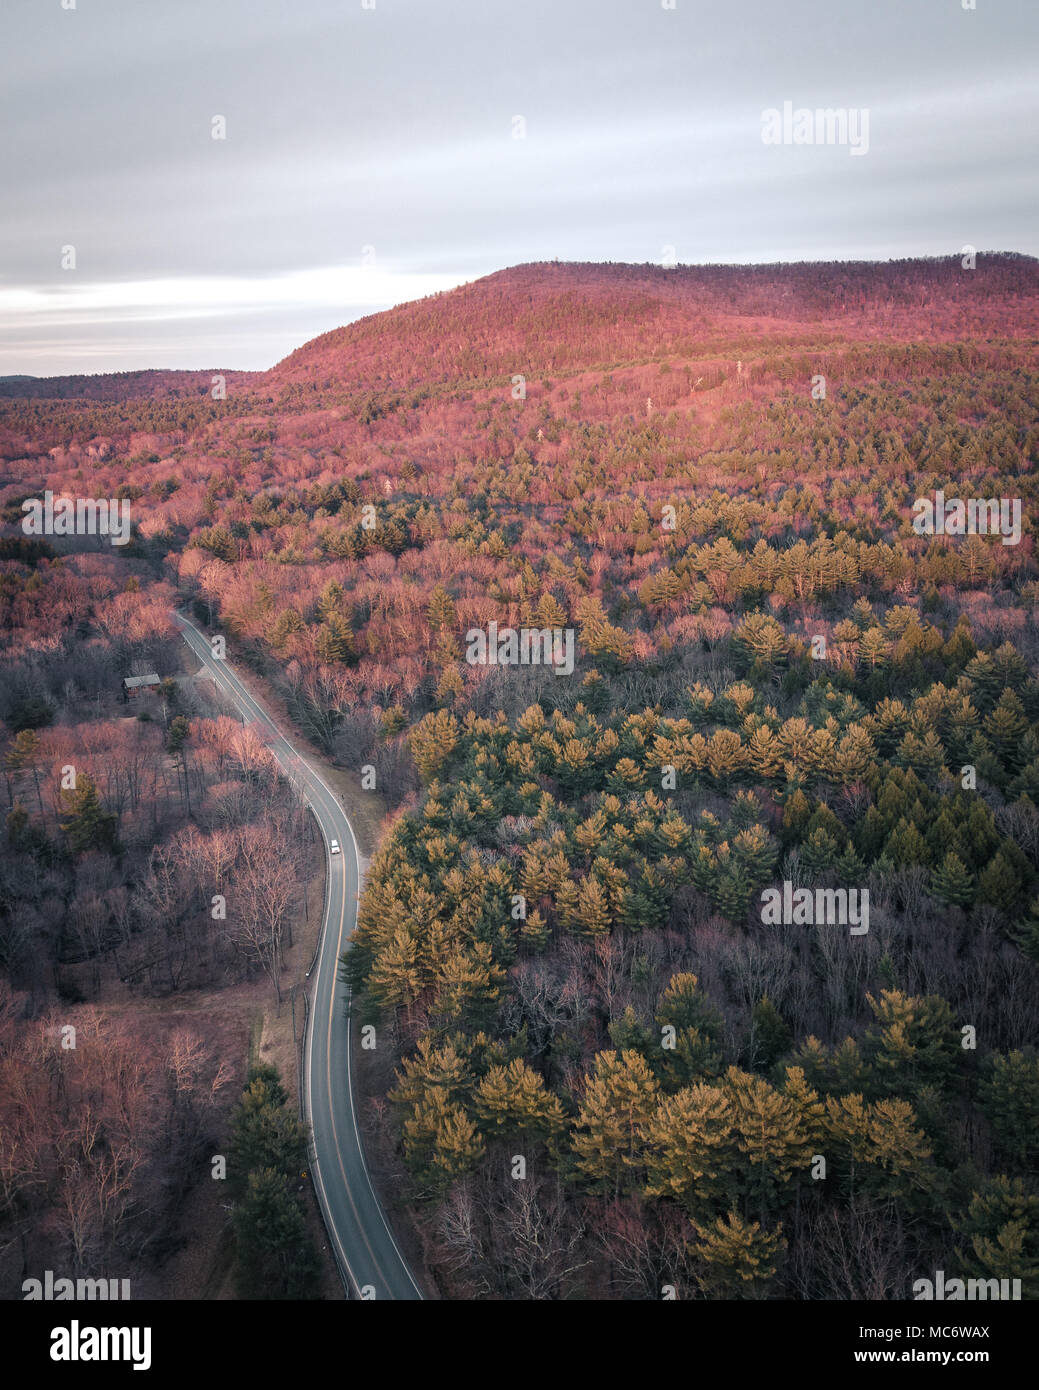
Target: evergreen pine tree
[738,1258]
[85,822]
[952,882]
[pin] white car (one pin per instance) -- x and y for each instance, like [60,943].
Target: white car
[334,847]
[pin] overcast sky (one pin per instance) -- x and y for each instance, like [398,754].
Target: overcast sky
[370,154]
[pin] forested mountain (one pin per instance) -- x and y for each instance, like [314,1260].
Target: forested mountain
[580,316]
[709,476]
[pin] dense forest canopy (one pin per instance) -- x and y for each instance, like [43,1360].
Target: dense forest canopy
[709,475]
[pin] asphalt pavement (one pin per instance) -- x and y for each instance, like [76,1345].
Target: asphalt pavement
[368,1256]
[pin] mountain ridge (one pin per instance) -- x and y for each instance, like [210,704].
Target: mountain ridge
[692,303]
[533,309]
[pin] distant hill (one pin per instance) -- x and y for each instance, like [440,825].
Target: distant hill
[120,386]
[573,315]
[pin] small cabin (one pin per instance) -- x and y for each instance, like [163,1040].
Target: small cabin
[133,685]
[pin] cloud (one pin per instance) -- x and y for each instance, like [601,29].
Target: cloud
[197,297]
[182,321]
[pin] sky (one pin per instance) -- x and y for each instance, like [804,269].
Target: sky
[376,151]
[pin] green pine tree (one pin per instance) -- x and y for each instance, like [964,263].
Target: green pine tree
[952,882]
[85,823]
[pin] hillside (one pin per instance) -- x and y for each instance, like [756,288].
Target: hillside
[704,481]
[573,316]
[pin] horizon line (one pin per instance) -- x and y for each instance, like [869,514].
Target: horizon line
[35,311]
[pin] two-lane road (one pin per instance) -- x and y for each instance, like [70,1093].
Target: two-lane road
[368,1256]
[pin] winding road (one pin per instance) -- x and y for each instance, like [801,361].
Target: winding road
[369,1259]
